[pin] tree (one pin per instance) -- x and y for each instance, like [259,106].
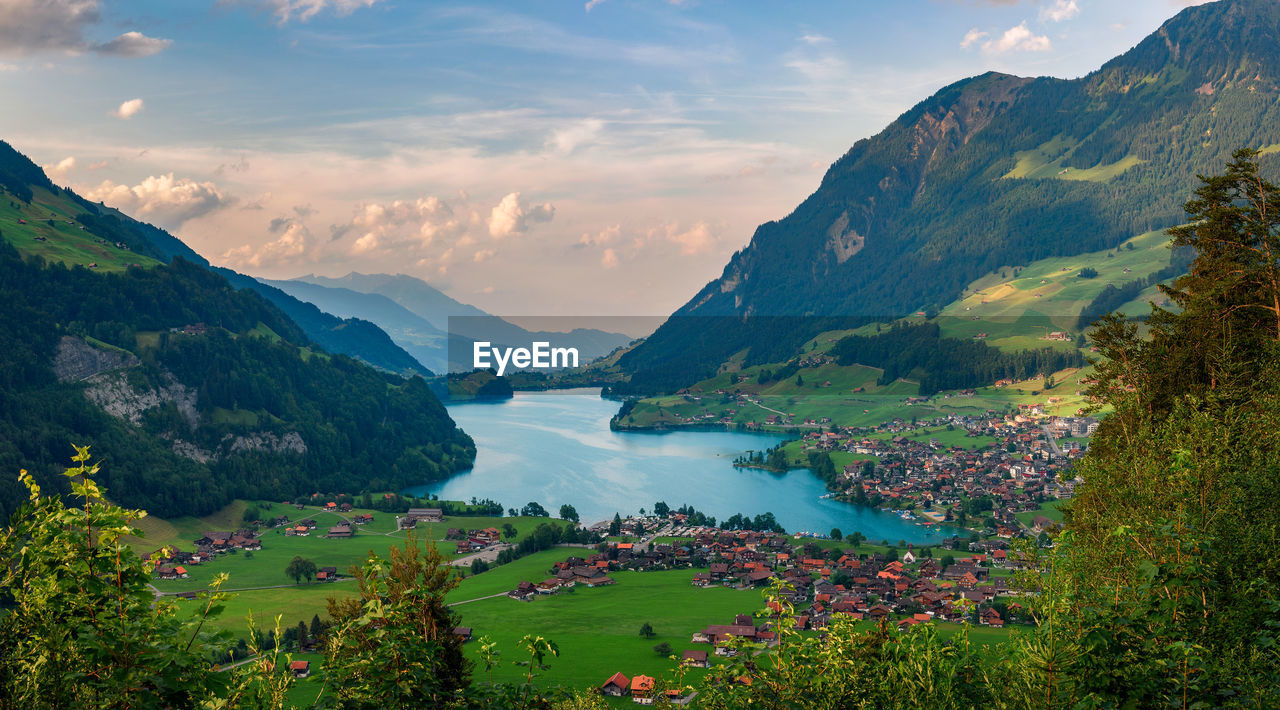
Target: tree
[855,538]
[304,639]
[661,509]
[533,509]
[646,631]
[947,561]
[299,569]
[836,534]
[82,627]
[509,531]
[317,627]
[662,649]
[567,512]
[251,515]
[615,527]
[393,645]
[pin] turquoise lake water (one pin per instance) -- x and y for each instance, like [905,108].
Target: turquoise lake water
[557,448]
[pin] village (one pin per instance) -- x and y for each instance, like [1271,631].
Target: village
[1019,467]
[820,581]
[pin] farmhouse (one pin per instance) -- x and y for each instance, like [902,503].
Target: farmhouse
[617,685]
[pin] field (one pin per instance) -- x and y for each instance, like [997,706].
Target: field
[1045,161]
[1049,509]
[47,227]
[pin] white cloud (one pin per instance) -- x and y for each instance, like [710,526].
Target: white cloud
[592,3]
[815,39]
[61,169]
[697,239]
[511,218]
[129,109]
[1017,39]
[404,222]
[609,259]
[483,255]
[163,199]
[289,248]
[565,140]
[303,10]
[29,26]
[971,37]
[1060,10]
[604,236]
[133,44]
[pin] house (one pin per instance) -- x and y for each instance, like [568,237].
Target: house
[697,659]
[463,633]
[300,669]
[339,531]
[616,686]
[429,515]
[991,617]
[330,573]
[642,690]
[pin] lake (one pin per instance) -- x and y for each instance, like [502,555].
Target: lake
[556,448]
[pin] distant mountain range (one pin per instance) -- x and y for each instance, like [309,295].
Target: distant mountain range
[992,171]
[435,328]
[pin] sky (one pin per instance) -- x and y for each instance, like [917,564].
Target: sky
[537,158]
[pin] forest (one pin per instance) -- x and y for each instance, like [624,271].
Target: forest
[253,369]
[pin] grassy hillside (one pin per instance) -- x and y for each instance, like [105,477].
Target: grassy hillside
[48,226]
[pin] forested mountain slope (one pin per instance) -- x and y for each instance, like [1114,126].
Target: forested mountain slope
[192,391]
[991,171]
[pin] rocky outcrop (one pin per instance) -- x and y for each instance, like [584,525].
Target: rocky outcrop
[112,392]
[290,443]
[77,360]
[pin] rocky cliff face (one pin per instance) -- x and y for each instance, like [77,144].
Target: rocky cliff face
[114,394]
[77,360]
[105,373]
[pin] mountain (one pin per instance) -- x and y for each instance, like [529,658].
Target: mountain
[191,391]
[992,171]
[348,336]
[457,324]
[416,335]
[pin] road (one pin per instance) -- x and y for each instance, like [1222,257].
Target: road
[1053,442]
[488,555]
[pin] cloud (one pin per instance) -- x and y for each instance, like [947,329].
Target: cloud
[698,239]
[290,247]
[404,222]
[483,255]
[1017,39]
[286,11]
[30,26]
[815,39]
[133,44]
[164,199]
[511,218]
[592,3]
[128,109]
[61,169]
[609,259]
[604,236]
[972,36]
[1060,10]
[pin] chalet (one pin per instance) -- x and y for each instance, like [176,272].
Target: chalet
[697,659]
[300,669]
[362,519]
[429,515]
[463,633]
[617,685]
[991,617]
[330,573]
[339,531]
[523,591]
[642,690]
